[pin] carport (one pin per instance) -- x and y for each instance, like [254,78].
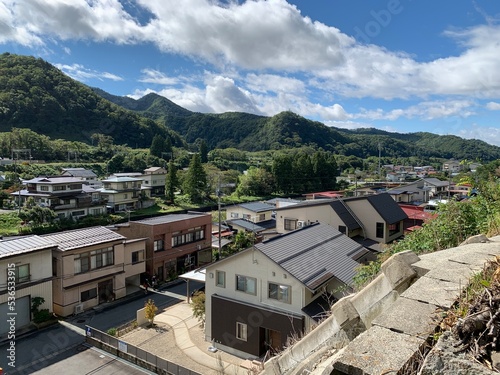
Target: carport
[198,274]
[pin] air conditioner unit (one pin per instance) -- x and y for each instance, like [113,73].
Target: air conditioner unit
[78,309]
[301,224]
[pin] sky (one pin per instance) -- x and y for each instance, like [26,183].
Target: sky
[397,65]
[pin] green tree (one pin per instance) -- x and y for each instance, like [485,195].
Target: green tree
[256,182]
[37,216]
[172,182]
[157,146]
[198,306]
[203,151]
[195,182]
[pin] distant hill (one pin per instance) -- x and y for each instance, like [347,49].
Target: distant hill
[36,95]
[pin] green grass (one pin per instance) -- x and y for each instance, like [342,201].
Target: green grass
[9,224]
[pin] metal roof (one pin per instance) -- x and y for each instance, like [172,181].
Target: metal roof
[24,245]
[170,218]
[387,208]
[121,179]
[79,172]
[257,206]
[53,180]
[254,227]
[78,238]
[347,218]
[313,255]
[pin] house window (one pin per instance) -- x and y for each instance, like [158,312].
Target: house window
[137,256]
[380,230]
[246,284]
[279,292]
[342,229]
[88,294]
[262,217]
[44,188]
[125,196]
[247,217]
[241,331]
[290,224]
[220,279]
[158,245]
[393,229]
[78,213]
[234,215]
[58,188]
[23,273]
[95,259]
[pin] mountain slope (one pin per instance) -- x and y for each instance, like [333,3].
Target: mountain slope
[36,95]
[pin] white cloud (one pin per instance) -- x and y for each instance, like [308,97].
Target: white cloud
[429,110]
[493,106]
[80,73]
[264,36]
[157,77]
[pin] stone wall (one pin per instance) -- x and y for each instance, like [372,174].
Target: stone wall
[389,322]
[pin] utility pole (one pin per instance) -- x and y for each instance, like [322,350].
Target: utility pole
[218,192]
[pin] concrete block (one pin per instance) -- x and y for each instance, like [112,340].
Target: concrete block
[409,257]
[399,274]
[411,317]
[480,238]
[377,351]
[437,292]
[458,273]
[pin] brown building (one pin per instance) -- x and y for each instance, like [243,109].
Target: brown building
[93,266]
[175,243]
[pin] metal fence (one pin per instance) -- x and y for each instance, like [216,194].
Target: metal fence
[134,354]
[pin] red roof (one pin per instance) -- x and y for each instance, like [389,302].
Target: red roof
[417,213]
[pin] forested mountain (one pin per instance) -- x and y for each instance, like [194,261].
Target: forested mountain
[36,95]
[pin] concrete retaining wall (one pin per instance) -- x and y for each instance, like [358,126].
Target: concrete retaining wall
[396,312]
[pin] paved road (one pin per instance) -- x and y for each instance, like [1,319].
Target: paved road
[41,350]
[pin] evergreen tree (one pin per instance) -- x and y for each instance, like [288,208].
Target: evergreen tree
[203,151]
[167,148]
[195,183]
[172,182]
[157,145]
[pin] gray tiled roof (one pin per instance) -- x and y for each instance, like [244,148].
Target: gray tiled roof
[24,245]
[345,215]
[257,206]
[387,208]
[79,172]
[313,255]
[78,238]
[254,227]
[169,218]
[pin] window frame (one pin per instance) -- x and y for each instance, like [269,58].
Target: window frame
[217,281]
[89,294]
[279,293]
[379,230]
[241,331]
[245,279]
[139,256]
[158,242]
[25,278]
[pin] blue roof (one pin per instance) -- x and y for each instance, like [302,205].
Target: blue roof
[257,206]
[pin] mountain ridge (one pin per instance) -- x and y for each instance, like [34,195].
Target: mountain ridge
[36,95]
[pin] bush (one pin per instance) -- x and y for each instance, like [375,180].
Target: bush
[42,316]
[111,331]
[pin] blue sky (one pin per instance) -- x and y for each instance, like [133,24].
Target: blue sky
[396,65]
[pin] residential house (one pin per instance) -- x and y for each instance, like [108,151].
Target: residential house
[154,178]
[86,175]
[423,190]
[255,217]
[121,193]
[174,243]
[324,195]
[26,273]
[452,166]
[259,298]
[93,266]
[374,217]
[66,196]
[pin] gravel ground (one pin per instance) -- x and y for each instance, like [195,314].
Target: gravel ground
[160,341]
